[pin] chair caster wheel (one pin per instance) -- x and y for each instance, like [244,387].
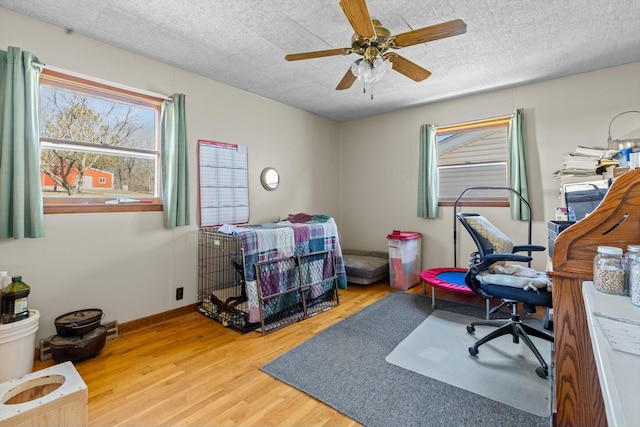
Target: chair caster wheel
[473,351]
[542,372]
[471,329]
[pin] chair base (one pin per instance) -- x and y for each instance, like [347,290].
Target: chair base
[517,330]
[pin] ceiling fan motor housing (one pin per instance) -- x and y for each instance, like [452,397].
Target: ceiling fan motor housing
[373,47]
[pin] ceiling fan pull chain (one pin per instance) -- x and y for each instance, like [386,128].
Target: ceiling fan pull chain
[371,90]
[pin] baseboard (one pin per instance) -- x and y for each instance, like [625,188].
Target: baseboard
[115,329]
[132,325]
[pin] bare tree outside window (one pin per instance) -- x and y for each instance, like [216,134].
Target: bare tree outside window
[95,144]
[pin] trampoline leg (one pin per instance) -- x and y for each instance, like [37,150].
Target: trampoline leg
[433,297]
[488,309]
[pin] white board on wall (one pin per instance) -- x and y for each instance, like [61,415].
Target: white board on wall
[223,183]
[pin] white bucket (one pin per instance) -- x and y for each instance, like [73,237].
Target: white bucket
[17,346]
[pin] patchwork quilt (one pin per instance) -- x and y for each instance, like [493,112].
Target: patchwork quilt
[297,235]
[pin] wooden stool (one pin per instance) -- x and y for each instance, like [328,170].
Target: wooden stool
[55,396]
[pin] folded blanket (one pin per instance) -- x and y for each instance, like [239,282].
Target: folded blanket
[514,270]
[515,275]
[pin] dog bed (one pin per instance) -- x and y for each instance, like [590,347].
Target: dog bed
[365,267]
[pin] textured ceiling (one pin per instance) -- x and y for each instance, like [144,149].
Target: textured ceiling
[242,43]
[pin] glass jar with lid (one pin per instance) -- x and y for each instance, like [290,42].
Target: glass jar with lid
[633,276]
[609,270]
[631,249]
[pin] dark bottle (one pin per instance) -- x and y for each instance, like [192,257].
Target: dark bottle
[14,301]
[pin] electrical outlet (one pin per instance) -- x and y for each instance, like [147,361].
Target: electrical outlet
[179,293]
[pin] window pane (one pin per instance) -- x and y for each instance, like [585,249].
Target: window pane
[74,173]
[473,154]
[455,179]
[77,117]
[98,142]
[482,146]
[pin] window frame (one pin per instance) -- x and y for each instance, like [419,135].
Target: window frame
[471,200]
[72,82]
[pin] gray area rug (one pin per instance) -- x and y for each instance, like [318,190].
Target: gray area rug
[344,366]
[502,371]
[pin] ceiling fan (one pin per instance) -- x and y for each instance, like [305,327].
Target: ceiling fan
[372,41]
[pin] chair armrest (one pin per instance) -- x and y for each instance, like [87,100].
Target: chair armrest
[493,258]
[528,248]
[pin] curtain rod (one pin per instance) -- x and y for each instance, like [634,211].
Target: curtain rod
[106,82]
[474,122]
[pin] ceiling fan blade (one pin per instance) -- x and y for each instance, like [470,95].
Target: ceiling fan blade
[346,81]
[434,32]
[318,54]
[406,67]
[358,15]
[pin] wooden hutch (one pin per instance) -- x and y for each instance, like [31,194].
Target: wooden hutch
[615,222]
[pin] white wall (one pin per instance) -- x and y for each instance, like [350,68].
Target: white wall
[380,157]
[128,264]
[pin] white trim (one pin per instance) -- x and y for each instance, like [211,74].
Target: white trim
[107,82]
[92,148]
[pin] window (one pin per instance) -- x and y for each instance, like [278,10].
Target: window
[99,146]
[473,155]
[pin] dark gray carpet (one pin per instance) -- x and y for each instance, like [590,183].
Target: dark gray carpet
[344,366]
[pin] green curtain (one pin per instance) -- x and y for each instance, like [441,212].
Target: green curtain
[175,162]
[21,211]
[517,167]
[428,173]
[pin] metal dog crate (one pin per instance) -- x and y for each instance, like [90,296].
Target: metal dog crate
[221,291]
[289,289]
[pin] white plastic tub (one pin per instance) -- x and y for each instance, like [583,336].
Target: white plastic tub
[404,259]
[17,346]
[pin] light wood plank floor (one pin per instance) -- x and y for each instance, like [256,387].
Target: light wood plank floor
[193,371]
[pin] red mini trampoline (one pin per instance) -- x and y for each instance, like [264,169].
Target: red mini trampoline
[449,278]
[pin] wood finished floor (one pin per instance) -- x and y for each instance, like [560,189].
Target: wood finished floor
[193,371]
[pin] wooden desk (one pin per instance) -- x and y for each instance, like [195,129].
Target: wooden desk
[615,222]
[618,372]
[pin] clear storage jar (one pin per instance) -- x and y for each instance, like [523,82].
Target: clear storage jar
[634,278]
[609,270]
[631,249]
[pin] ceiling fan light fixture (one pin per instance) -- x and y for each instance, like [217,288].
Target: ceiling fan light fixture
[370,73]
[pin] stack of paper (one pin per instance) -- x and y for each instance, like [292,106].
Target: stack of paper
[585,161]
[601,153]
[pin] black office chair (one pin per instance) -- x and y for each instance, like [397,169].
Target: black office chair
[491,276]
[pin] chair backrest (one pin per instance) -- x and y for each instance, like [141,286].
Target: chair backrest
[485,235]
[489,240]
